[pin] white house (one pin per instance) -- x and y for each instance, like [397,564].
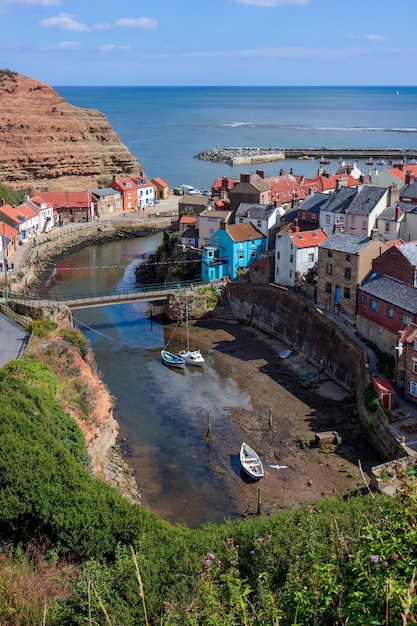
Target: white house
[263,216]
[45,212]
[296,252]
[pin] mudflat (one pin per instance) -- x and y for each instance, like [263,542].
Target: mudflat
[286,413]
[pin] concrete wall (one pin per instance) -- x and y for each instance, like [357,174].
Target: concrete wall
[282,313]
[285,315]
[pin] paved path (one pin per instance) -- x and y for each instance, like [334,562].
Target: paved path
[13,340]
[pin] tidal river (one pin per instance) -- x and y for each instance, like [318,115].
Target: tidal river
[163,413]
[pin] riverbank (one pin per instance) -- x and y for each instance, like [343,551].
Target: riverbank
[284,418]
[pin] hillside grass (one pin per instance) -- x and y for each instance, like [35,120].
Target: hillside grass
[74,551]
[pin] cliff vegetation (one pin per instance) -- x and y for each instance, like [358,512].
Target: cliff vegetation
[75,551]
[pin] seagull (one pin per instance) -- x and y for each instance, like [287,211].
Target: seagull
[279,466]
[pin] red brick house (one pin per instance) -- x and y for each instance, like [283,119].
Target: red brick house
[399,262]
[385,306]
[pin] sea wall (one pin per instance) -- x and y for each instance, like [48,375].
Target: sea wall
[283,314]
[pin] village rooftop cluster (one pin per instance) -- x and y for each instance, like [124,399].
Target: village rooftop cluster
[348,239]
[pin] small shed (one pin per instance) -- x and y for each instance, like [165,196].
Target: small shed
[385,392]
[161,188]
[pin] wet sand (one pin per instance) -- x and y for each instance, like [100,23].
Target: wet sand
[284,417]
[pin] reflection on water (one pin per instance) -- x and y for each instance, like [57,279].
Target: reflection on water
[164,413]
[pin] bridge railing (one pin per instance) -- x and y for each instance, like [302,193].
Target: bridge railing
[111,294]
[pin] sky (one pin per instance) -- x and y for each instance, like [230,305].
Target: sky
[210,42]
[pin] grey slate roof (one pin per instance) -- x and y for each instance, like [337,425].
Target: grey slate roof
[409,250]
[388,214]
[364,202]
[391,291]
[339,200]
[190,232]
[314,202]
[410,191]
[342,242]
[106,191]
[255,211]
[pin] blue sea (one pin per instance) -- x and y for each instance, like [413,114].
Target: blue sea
[165,127]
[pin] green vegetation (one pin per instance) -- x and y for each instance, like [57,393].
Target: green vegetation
[371,399]
[11,197]
[211,294]
[75,552]
[76,338]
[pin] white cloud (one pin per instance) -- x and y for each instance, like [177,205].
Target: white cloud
[63,45]
[273,53]
[114,48]
[147,23]
[377,38]
[273,3]
[64,21]
[10,4]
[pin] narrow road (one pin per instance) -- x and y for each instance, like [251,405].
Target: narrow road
[13,339]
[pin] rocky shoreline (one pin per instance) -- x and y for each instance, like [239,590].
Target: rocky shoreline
[240,156]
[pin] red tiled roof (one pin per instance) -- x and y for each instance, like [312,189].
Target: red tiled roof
[409,334]
[244,232]
[383,385]
[25,210]
[222,205]
[218,183]
[8,231]
[285,188]
[60,199]
[188,219]
[159,181]
[308,238]
[327,183]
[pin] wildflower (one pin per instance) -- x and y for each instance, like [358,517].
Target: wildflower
[375,559]
[260,539]
[395,556]
[207,562]
[210,556]
[252,552]
[385,564]
[297,557]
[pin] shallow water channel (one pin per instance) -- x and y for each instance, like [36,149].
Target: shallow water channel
[164,414]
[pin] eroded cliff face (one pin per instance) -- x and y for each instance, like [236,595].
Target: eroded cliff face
[48,144]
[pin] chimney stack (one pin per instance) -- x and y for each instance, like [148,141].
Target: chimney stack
[393,194]
[261,173]
[397,213]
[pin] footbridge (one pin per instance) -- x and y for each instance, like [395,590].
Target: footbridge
[144,293]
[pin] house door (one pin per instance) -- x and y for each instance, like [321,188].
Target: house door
[337,295]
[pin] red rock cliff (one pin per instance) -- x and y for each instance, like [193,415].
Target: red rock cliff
[49,144]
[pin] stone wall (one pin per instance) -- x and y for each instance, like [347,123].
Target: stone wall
[283,314]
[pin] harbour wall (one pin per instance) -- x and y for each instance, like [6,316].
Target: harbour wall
[245,155]
[285,315]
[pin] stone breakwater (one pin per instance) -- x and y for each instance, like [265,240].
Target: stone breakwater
[241,156]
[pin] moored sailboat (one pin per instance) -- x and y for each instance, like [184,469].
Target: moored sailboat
[191,357]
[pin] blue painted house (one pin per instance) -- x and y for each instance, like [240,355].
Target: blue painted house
[232,248]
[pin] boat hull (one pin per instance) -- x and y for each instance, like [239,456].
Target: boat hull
[192,357]
[250,462]
[172,360]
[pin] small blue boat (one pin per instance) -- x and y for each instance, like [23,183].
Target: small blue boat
[171,359]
